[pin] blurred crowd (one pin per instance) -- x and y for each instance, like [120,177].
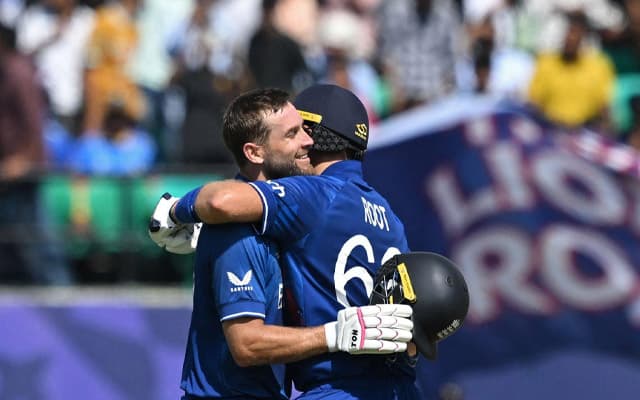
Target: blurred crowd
[120,87]
[129,84]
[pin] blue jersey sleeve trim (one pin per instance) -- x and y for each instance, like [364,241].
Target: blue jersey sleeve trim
[243,308]
[242,315]
[265,209]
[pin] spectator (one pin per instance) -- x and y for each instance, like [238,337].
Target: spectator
[286,18]
[481,51]
[515,23]
[418,44]
[151,63]
[494,67]
[550,20]
[233,23]
[217,35]
[365,11]
[111,46]
[58,142]
[120,150]
[202,89]
[339,33]
[276,60]
[287,15]
[56,33]
[573,87]
[26,251]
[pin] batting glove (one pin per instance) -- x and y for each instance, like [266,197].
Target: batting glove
[175,238]
[374,329]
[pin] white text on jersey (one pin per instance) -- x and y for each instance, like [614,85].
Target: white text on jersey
[375,214]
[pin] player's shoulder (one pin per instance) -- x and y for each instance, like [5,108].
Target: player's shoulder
[238,242]
[296,187]
[373,197]
[224,235]
[311,181]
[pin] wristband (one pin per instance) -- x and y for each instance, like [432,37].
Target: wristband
[185,209]
[331,336]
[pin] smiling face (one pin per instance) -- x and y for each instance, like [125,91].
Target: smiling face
[286,149]
[264,132]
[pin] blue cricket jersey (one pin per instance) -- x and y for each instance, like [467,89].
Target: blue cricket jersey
[236,275]
[334,232]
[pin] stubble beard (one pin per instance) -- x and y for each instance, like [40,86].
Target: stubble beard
[276,169]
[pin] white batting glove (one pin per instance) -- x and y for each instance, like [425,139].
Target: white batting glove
[175,238]
[374,329]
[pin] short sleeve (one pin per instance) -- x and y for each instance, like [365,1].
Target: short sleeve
[237,281]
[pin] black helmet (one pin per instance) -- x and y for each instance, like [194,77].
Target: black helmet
[341,114]
[433,286]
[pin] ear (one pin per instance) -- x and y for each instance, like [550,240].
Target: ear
[254,153]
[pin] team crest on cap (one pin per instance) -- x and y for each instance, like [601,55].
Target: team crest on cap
[361,131]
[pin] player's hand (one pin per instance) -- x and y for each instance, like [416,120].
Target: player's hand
[374,329]
[175,238]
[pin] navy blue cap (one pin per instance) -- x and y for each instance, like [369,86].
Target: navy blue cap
[337,109]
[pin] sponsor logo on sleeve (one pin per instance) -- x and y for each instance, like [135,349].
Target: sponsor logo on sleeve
[240,285]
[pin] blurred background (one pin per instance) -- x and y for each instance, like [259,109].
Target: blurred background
[504,133]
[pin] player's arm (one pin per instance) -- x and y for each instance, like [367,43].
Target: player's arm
[374,329]
[253,343]
[223,202]
[219,202]
[176,221]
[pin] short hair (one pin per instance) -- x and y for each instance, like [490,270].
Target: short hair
[244,119]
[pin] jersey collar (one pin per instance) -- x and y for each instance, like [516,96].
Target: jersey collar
[240,177]
[346,169]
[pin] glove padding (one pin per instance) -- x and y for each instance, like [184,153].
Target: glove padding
[374,329]
[175,238]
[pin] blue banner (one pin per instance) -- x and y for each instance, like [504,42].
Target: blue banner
[546,237]
[72,344]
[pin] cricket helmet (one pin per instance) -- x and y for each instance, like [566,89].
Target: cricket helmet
[434,287]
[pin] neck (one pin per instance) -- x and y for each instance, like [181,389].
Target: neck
[253,172]
[321,161]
